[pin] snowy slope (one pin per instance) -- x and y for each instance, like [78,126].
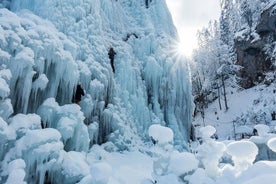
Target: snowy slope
[246,109]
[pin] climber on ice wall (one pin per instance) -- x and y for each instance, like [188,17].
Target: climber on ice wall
[111,54]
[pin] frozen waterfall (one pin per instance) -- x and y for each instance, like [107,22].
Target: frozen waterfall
[48,46]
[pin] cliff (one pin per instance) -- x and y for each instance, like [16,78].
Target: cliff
[256,50]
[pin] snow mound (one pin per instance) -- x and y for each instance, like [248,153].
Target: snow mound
[101,172]
[160,134]
[260,172]
[264,178]
[243,154]
[243,150]
[262,129]
[210,153]
[207,132]
[200,177]
[182,163]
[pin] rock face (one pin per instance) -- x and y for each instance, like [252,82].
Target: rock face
[252,53]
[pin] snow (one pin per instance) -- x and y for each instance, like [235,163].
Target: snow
[200,177]
[101,172]
[272,144]
[74,167]
[265,178]
[137,165]
[161,134]
[262,130]
[182,163]
[243,154]
[242,150]
[246,109]
[21,123]
[16,172]
[36,138]
[210,153]
[264,170]
[207,132]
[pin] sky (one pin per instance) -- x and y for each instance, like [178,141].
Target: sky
[189,16]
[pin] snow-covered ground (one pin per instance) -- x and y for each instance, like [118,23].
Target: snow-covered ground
[246,109]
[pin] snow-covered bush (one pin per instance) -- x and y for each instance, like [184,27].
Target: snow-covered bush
[182,163]
[169,164]
[210,152]
[160,135]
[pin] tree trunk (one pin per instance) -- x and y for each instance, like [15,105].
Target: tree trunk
[219,97]
[224,92]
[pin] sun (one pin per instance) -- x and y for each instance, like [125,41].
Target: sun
[187,42]
[186,46]
[182,49]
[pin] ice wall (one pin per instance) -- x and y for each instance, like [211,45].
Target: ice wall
[149,85]
[48,46]
[46,49]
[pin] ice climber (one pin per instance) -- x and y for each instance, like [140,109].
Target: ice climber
[111,55]
[78,94]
